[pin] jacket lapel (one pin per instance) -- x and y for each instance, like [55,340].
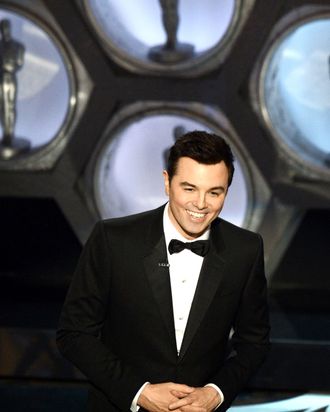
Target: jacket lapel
[157,272]
[211,275]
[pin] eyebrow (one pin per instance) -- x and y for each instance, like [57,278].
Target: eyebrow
[194,186]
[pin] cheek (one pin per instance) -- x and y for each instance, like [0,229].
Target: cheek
[177,199]
[178,204]
[217,206]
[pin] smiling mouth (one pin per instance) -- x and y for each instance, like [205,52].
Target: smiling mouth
[195,214]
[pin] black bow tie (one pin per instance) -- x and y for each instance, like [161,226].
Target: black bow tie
[200,247]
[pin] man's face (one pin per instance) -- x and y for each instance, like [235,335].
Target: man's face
[196,195]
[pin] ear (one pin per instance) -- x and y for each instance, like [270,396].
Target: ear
[166,182]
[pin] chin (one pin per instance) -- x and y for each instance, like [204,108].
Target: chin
[195,233]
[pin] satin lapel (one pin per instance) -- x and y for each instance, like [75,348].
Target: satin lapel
[157,271]
[211,275]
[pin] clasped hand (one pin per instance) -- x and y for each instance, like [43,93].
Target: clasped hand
[169,396]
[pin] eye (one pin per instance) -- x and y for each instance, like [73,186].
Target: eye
[215,194]
[188,189]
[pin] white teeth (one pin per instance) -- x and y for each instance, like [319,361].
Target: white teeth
[197,215]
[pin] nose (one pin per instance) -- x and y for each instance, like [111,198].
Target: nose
[200,201]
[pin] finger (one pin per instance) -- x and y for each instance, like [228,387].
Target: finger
[179,394]
[180,403]
[182,388]
[190,408]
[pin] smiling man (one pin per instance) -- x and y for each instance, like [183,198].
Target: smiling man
[151,307]
[197,193]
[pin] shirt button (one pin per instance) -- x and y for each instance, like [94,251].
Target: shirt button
[180,317]
[183,280]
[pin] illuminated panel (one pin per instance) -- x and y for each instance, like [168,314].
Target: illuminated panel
[142,20]
[295,93]
[43,90]
[128,173]
[128,30]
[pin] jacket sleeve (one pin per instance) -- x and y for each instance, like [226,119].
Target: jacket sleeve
[250,340]
[81,322]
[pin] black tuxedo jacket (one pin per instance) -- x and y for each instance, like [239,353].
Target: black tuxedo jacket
[117,322]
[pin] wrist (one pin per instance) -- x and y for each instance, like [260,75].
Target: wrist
[141,395]
[214,397]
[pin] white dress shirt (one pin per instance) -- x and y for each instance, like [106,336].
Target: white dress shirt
[184,268]
[184,273]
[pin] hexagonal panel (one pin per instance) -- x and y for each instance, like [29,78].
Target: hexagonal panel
[291,91]
[125,175]
[129,33]
[49,88]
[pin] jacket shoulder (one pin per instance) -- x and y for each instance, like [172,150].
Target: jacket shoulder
[137,224]
[236,235]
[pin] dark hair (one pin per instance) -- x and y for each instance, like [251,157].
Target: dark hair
[206,148]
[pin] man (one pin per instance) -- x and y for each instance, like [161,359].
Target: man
[148,321]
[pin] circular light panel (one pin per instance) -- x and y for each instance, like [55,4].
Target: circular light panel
[295,90]
[129,30]
[43,86]
[128,173]
[142,20]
